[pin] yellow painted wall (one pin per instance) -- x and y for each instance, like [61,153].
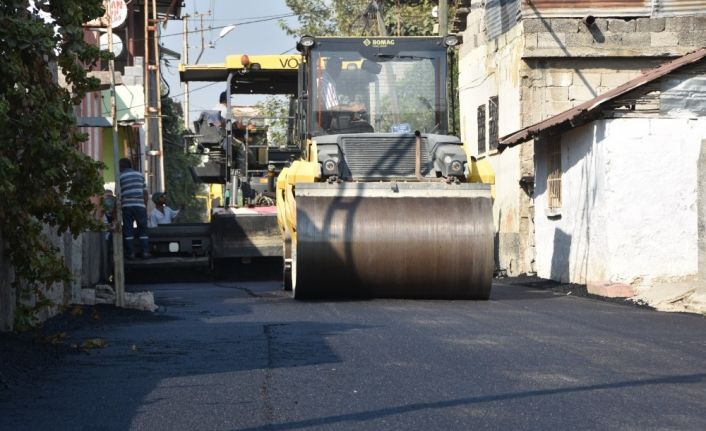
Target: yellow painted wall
[123,136]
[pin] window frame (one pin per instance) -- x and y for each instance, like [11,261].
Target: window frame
[493,119]
[480,120]
[554,173]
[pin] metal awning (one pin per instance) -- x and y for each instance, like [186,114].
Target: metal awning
[584,112]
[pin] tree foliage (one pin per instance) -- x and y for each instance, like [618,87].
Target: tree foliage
[276,110]
[357,18]
[180,186]
[45,180]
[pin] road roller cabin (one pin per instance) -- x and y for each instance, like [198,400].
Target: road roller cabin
[384,201]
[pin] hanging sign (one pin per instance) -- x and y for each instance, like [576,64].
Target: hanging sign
[118,13]
[117,43]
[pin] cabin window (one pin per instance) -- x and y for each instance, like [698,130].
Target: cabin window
[554,172]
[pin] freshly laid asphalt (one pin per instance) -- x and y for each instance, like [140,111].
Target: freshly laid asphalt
[242,355]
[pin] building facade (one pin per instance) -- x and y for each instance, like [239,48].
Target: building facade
[524,61]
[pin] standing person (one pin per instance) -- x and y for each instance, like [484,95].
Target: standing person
[162,214]
[222,107]
[133,195]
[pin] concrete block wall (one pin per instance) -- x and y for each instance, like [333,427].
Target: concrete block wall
[134,75]
[613,37]
[551,86]
[562,63]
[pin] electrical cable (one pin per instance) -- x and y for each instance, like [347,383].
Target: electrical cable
[176,95]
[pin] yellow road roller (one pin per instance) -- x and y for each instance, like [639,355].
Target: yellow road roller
[384,201]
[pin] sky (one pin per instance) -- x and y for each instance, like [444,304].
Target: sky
[265,37]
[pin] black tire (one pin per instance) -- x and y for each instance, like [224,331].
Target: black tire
[287,262]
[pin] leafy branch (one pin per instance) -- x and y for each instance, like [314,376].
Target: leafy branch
[45,180]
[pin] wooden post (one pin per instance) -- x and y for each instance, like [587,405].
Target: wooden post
[118,268]
[185,60]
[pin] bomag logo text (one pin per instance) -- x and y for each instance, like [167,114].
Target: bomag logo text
[379,43]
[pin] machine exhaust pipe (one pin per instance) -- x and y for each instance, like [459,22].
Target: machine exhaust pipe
[418,155]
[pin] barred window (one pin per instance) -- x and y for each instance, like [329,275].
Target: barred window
[554,172]
[493,122]
[481,129]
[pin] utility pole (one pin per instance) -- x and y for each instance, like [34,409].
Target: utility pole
[378,18]
[203,44]
[118,268]
[153,101]
[443,17]
[185,60]
[158,95]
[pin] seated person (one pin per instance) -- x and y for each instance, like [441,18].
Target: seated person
[222,107]
[333,113]
[327,88]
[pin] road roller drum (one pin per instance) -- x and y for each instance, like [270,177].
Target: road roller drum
[393,239]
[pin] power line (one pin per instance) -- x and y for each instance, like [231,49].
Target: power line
[176,95]
[219,27]
[224,26]
[233,19]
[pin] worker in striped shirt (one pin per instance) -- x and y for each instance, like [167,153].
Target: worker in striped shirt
[133,196]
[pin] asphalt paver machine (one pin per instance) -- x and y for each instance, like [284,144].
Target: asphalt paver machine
[240,158]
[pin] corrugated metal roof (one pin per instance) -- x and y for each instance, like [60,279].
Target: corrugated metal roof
[612,8]
[581,8]
[580,114]
[500,16]
[679,7]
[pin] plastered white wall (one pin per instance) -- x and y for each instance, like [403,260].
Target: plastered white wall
[507,190]
[628,203]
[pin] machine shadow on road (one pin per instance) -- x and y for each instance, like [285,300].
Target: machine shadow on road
[357,418]
[163,361]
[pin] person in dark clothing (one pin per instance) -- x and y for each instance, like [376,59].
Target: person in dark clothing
[133,196]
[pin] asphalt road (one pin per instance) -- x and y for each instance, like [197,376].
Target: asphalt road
[244,356]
